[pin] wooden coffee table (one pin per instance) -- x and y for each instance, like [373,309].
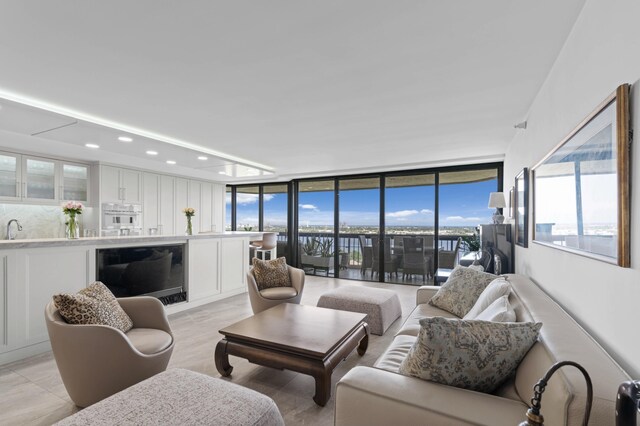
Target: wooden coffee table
[300,338]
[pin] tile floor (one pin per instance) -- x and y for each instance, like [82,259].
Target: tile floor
[31,391]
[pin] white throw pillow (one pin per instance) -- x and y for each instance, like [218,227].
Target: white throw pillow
[495,290]
[498,311]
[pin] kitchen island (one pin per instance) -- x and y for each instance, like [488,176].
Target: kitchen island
[32,271]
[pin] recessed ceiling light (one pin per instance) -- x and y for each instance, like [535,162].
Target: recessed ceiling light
[152,152]
[92,145]
[125,139]
[267,173]
[203,158]
[171,162]
[222,173]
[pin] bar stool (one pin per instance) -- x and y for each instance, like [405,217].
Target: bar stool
[268,244]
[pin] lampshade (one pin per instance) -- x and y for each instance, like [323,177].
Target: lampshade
[496,200]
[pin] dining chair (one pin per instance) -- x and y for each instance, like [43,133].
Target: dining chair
[391,262]
[366,251]
[413,259]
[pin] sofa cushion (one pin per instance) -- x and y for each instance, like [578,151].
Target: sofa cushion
[461,291]
[149,340]
[411,326]
[495,290]
[271,273]
[397,351]
[94,304]
[279,293]
[470,354]
[499,311]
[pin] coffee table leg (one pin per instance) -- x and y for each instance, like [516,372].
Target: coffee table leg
[222,359]
[323,387]
[364,343]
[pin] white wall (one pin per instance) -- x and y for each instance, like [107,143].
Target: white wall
[602,52]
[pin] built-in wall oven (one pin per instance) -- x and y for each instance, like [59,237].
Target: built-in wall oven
[121,219]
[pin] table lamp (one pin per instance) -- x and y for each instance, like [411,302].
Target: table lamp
[497,201]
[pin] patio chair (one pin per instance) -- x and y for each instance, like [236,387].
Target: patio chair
[449,258]
[414,260]
[366,251]
[391,262]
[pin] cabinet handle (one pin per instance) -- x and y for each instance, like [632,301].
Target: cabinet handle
[61,194]
[24,189]
[124,194]
[18,195]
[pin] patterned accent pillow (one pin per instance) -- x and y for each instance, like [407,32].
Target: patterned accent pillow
[271,273]
[469,354]
[460,292]
[93,305]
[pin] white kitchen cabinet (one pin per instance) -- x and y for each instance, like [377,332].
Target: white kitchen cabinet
[219,200]
[10,175]
[182,201]
[206,207]
[74,182]
[204,268]
[29,278]
[167,204]
[120,185]
[234,258]
[40,180]
[150,201]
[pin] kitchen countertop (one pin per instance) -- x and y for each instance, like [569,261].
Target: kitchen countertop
[114,241]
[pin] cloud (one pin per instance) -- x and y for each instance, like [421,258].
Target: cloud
[462,219]
[308,207]
[244,199]
[402,213]
[268,197]
[426,211]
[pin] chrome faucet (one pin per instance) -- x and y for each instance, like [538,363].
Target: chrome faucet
[10,234]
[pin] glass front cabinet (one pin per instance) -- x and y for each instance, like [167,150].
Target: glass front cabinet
[42,180]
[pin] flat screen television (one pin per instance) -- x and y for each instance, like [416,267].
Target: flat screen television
[150,271]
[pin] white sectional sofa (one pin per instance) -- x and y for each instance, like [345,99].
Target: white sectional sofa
[380,396]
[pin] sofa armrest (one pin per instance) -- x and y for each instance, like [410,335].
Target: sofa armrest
[146,312]
[370,396]
[425,293]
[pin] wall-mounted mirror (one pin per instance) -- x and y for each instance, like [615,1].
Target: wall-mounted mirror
[581,188]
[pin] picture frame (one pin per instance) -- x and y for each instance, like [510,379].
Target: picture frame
[581,201]
[521,210]
[512,202]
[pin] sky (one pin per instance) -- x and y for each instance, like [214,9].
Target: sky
[460,205]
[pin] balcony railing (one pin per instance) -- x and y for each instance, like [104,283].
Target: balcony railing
[349,243]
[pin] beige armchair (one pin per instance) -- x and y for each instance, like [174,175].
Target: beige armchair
[97,361]
[270,297]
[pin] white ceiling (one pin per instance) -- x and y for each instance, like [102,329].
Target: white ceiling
[303,87]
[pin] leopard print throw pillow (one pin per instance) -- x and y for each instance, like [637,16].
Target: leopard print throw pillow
[271,273]
[93,305]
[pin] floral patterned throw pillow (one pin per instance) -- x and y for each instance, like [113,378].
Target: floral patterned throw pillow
[460,292]
[271,273]
[469,354]
[93,305]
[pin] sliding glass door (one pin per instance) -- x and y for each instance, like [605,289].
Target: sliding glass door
[316,217]
[410,228]
[359,228]
[463,200]
[275,208]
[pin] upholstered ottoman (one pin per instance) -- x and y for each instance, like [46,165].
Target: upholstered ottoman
[181,397]
[381,306]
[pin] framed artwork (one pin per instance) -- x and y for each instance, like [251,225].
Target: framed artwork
[512,202]
[581,188]
[521,211]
